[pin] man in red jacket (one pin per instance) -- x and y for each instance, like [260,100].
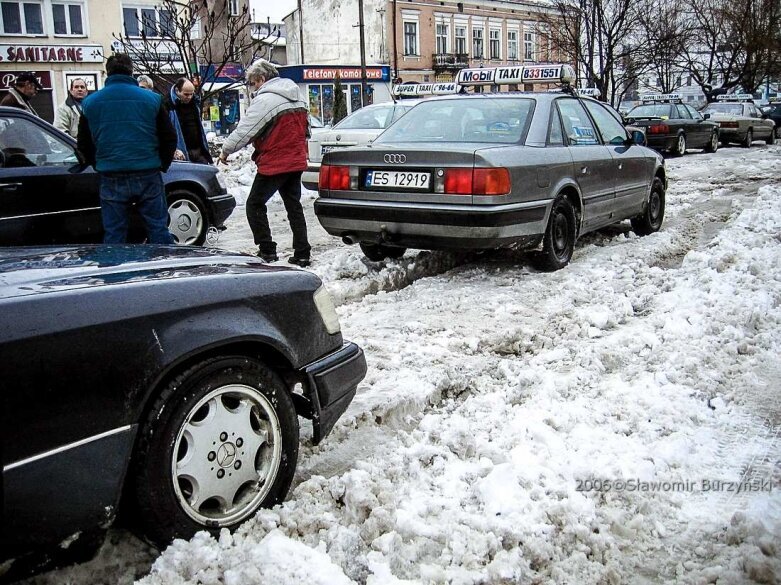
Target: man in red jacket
[277,124]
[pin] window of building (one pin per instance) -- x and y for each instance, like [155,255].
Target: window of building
[21,18]
[410,38]
[528,46]
[233,7]
[147,22]
[477,43]
[494,43]
[512,45]
[461,40]
[68,18]
[442,30]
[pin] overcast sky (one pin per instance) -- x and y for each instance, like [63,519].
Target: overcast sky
[274,9]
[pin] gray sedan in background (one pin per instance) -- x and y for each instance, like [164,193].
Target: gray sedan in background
[489,170]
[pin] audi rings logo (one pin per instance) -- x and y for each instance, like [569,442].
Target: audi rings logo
[395,159]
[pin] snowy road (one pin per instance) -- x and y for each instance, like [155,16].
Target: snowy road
[519,427]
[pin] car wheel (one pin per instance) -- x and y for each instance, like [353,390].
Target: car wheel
[749,138]
[650,220]
[220,442]
[558,243]
[778,132]
[713,144]
[680,145]
[771,138]
[188,219]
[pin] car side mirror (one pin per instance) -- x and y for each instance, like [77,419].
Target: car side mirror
[706,116]
[638,137]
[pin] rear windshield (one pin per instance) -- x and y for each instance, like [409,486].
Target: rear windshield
[651,111]
[491,120]
[368,119]
[734,109]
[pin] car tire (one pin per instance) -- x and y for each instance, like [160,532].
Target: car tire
[558,243]
[188,219]
[749,138]
[713,143]
[379,252]
[777,132]
[771,138]
[651,219]
[680,145]
[220,442]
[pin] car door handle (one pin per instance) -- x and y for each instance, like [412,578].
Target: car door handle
[584,170]
[10,186]
[620,166]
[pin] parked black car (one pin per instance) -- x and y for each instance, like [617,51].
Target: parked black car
[172,375]
[773,112]
[673,126]
[43,201]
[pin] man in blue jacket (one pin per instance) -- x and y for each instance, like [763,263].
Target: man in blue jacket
[125,133]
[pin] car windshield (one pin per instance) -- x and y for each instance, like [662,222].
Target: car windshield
[368,119]
[492,120]
[650,111]
[734,109]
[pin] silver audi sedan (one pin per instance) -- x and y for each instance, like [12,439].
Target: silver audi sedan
[478,171]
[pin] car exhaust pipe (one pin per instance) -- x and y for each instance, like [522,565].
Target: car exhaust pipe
[349,239]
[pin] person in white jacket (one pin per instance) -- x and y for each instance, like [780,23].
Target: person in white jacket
[277,125]
[68,114]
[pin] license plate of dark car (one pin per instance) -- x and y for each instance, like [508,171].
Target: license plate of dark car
[397,180]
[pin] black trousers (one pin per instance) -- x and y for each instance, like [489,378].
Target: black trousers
[289,187]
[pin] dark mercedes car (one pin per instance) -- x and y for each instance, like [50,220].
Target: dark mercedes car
[673,126]
[534,170]
[165,382]
[47,197]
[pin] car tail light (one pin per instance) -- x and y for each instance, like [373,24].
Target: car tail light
[659,129]
[728,124]
[458,181]
[334,178]
[493,181]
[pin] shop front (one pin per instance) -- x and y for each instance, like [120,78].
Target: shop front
[316,83]
[225,97]
[54,66]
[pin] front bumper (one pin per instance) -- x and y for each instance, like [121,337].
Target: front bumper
[431,226]
[222,205]
[332,382]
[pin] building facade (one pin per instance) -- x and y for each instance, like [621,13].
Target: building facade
[414,40]
[57,40]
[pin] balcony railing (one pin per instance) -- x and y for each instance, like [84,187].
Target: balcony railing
[450,61]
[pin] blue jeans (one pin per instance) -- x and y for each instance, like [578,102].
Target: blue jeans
[119,191]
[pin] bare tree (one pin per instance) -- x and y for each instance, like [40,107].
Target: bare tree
[597,36]
[664,34]
[180,37]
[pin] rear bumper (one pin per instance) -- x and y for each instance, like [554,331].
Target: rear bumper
[434,226]
[222,205]
[332,382]
[661,142]
[732,134]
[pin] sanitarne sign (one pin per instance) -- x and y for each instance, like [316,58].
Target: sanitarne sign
[51,53]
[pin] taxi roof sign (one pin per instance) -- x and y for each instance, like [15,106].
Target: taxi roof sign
[661,97]
[553,73]
[424,89]
[735,97]
[590,92]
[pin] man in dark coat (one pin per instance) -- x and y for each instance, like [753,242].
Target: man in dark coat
[24,89]
[185,113]
[125,133]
